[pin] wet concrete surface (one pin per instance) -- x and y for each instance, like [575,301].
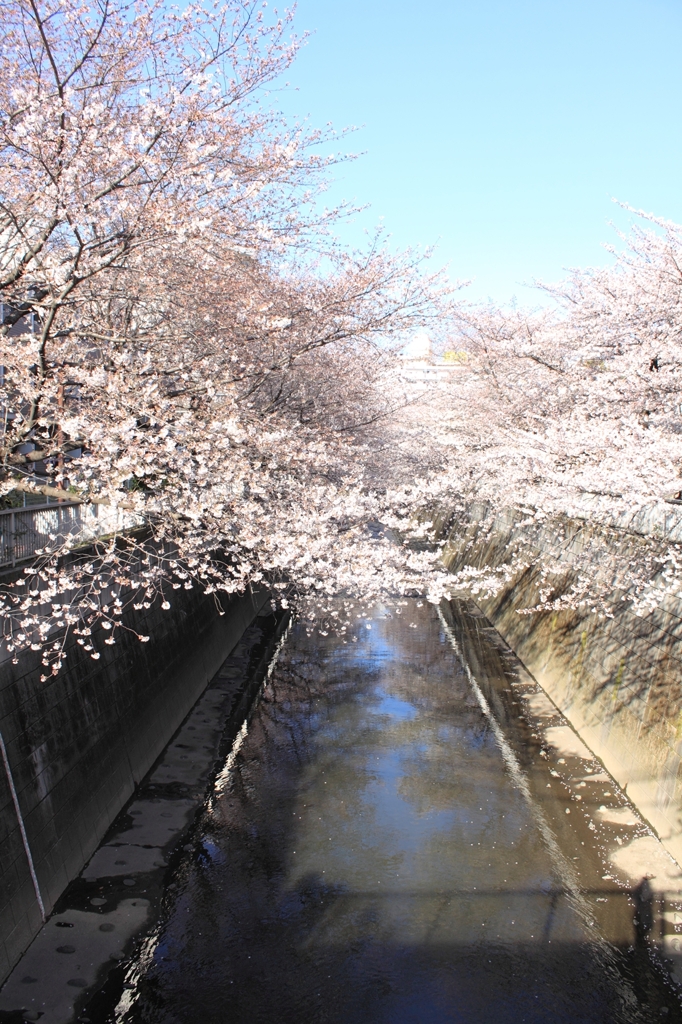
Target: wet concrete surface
[409,831]
[80,956]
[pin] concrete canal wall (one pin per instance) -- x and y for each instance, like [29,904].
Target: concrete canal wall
[617,679]
[78,744]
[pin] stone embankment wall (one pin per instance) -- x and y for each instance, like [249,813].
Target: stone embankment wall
[617,679]
[78,744]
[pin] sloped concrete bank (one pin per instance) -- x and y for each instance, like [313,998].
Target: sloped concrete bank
[79,965]
[79,744]
[618,680]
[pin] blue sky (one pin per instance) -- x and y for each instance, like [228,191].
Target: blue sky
[499,130]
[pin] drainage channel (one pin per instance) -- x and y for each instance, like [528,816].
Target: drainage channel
[411,833]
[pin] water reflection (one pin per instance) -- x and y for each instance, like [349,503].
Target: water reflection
[369,859]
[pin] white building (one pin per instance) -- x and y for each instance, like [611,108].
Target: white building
[420,366]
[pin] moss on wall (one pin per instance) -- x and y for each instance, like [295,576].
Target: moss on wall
[616,674]
[80,742]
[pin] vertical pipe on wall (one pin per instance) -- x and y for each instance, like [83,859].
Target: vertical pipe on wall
[17,808]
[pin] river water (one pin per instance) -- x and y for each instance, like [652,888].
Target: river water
[384,846]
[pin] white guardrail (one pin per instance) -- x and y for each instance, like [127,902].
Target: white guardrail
[23,531]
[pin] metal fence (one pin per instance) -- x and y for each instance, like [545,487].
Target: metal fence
[24,531]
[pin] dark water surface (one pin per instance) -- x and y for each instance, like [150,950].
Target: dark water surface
[370,857]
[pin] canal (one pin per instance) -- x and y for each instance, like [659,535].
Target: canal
[390,842]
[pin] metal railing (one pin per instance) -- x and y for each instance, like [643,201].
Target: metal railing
[25,531]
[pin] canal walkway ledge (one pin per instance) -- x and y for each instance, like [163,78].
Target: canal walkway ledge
[76,746]
[612,666]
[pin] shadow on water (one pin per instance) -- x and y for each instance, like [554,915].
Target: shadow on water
[368,857]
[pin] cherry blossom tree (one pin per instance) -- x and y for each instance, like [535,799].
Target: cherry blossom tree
[581,398]
[573,409]
[205,355]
